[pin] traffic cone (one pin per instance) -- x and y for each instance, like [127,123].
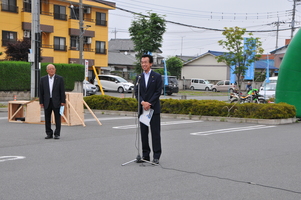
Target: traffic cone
[15,97]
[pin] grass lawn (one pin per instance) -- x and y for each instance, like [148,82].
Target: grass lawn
[202,93]
[2,105]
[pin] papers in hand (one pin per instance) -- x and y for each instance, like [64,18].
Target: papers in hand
[62,110]
[146,116]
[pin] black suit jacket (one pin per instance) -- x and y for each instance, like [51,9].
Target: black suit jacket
[58,91]
[151,93]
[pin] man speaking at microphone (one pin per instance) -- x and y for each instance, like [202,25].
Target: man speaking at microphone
[150,84]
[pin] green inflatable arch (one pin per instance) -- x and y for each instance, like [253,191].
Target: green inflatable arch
[288,87]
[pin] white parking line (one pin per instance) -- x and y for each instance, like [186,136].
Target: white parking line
[162,124]
[246,128]
[91,119]
[109,118]
[8,158]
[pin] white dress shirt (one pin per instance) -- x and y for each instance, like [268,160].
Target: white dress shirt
[146,77]
[51,80]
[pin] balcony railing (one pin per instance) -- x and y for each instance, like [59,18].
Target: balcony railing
[5,42]
[101,22]
[101,51]
[88,49]
[60,47]
[9,8]
[46,13]
[74,48]
[26,7]
[47,46]
[88,19]
[60,16]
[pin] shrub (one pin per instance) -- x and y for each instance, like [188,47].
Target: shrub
[198,107]
[16,75]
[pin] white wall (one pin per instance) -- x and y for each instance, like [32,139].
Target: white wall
[205,67]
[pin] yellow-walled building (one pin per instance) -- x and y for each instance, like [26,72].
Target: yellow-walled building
[60,32]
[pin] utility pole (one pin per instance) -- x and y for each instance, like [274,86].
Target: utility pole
[81,33]
[293,18]
[277,34]
[277,24]
[182,45]
[35,48]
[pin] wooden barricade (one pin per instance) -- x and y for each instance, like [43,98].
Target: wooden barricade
[30,111]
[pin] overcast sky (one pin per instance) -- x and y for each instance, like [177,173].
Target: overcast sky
[254,15]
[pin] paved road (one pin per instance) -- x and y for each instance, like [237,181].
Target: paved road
[200,160]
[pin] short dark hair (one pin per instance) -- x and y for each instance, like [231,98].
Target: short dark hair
[151,59]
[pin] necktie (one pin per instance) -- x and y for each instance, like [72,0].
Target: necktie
[50,86]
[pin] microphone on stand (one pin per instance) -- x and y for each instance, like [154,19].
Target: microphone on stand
[138,80]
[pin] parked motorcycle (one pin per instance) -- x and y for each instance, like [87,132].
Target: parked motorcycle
[252,96]
[256,97]
[235,96]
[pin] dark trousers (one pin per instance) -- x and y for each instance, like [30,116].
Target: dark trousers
[57,117]
[155,128]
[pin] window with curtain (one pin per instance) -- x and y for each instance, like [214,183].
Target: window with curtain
[101,47]
[60,43]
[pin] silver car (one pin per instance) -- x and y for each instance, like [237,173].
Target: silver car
[89,88]
[114,83]
[223,85]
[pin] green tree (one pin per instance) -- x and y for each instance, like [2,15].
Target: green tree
[147,34]
[174,66]
[18,51]
[236,54]
[161,71]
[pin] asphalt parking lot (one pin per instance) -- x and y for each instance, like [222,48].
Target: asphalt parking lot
[200,160]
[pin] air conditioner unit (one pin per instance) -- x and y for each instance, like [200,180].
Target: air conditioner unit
[26,34]
[88,40]
[87,10]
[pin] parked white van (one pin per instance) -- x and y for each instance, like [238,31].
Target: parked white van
[114,83]
[200,84]
[268,90]
[272,79]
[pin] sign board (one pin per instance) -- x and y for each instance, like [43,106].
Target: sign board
[86,68]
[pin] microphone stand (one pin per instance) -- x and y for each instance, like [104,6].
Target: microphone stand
[138,159]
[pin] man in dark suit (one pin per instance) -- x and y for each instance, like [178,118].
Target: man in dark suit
[150,84]
[52,97]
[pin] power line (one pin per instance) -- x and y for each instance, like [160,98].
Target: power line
[214,15]
[193,26]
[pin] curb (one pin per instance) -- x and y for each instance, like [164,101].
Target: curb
[204,118]
[5,109]
[195,117]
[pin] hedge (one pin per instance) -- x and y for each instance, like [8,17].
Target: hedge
[16,75]
[198,107]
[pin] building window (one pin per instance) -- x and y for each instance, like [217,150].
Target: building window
[60,43]
[8,37]
[27,5]
[101,19]
[74,42]
[74,13]
[9,5]
[60,12]
[101,47]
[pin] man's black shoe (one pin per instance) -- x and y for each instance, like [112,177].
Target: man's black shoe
[147,159]
[156,161]
[56,137]
[48,137]
[142,160]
